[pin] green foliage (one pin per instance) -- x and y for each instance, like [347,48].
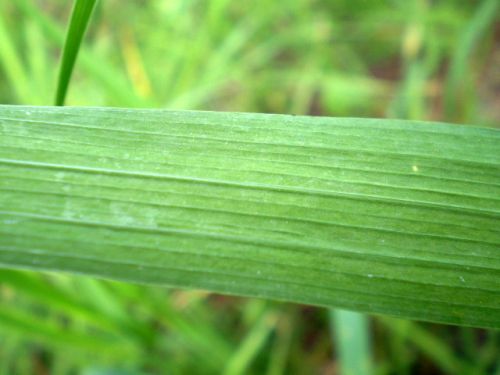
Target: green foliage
[456,87]
[416,59]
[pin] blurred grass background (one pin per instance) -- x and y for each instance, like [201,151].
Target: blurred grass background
[415,59]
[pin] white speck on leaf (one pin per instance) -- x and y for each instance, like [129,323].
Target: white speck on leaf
[462,279]
[414,168]
[370,275]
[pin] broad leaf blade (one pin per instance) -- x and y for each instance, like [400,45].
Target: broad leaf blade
[381,216]
[80,17]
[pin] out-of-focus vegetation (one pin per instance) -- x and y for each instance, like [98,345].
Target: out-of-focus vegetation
[417,59]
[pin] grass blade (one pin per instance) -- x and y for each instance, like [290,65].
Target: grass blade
[386,216]
[106,77]
[351,332]
[79,20]
[251,345]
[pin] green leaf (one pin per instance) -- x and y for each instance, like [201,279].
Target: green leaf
[78,24]
[381,216]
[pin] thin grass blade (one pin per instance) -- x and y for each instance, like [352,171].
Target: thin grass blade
[80,17]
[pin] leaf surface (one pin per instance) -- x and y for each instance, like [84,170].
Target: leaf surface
[380,216]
